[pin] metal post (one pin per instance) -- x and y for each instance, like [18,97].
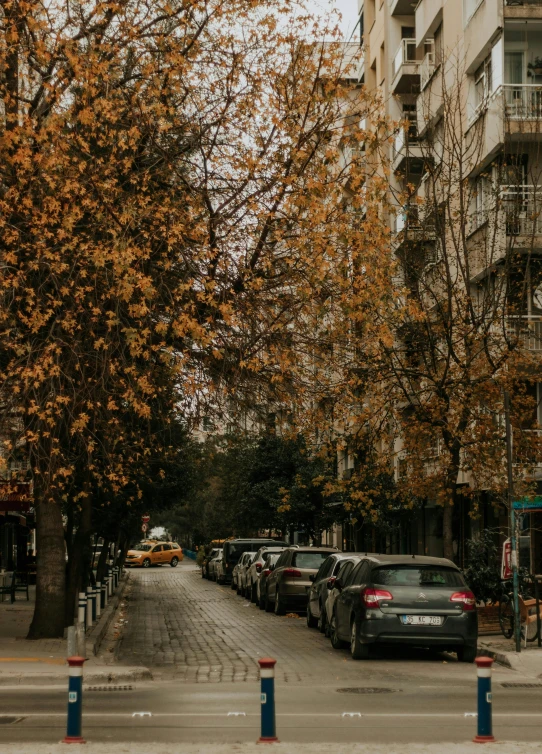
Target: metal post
[94,606]
[89,607]
[75,701]
[82,610]
[104,594]
[537,597]
[98,598]
[513,532]
[485,725]
[267,699]
[116,577]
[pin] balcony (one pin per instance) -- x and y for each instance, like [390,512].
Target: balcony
[405,69]
[401,7]
[428,65]
[409,226]
[527,330]
[406,150]
[522,101]
[523,210]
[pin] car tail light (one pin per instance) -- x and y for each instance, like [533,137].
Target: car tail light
[259,567]
[373,597]
[266,572]
[467,598]
[331,582]
[292,573]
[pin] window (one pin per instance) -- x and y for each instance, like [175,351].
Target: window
[482,196]
[409,113]
[354,575]
[325,569]
[309,559]
[362,573]
[167,547]
[336,568]
[417,576]
[158,548]
[482,84]
[345,571]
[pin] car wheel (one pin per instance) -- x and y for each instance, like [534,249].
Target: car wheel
[322,622]
[174,562]
[202,573]
[268,604]
[233,584]
[146,563]
[279,607]
[467,654]
[239,591]
[336,642]
[262,602]
[358,650]
[254,594]
[311,620]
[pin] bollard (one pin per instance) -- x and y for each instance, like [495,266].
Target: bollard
[98,598]
[109,586]
[485,726]
[71,641]
[115,580]
[89,607]
[94,607]
[267,699]
[82,610]
[104,594]
[75,701]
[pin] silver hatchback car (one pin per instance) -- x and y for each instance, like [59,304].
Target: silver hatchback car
[289,582]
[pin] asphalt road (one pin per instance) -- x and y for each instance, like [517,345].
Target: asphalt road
[202,642]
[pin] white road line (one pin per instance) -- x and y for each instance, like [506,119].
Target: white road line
[506,715]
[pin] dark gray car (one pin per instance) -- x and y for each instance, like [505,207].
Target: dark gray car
[319,590]
[402,599]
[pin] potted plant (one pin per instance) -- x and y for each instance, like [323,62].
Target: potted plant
[535,68]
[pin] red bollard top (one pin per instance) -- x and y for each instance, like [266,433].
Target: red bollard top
[267,662]
[484,662]
[76,662]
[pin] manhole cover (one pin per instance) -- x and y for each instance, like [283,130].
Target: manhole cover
[8,720]
[367,690]
[512,685]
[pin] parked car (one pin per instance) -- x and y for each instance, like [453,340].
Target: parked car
[255,569]
[289,582]
[346,567]
[270,559]
[206,560]
[211,568]
[146,554]
[240,572]
[402,599]
[234,548]
[322,582]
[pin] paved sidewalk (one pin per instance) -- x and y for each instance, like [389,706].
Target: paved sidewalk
[500,747]
[43,661]
[528,662]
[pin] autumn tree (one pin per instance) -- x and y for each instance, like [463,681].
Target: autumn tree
[168,212]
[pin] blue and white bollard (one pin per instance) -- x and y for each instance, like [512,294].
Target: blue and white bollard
[94,606]
[104,594]
[485,725]
[82,610]
[75,702]
[267,699]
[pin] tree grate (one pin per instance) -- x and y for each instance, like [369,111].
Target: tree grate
[109,688]
[367,690]
[512,685]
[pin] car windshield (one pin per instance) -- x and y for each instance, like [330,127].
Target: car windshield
[405,575]
[309,559]
[143,548]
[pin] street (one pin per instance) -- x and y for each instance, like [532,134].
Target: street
[201,642]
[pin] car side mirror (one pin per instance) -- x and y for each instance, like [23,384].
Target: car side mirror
[337,585]
[312,577]
[331,582]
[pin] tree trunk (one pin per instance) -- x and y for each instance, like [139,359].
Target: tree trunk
[447,530]
[102,561]
[48,620]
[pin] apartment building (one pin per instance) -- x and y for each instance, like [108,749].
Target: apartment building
[475,64]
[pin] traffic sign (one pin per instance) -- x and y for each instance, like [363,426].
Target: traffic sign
[144,528]
[145,518]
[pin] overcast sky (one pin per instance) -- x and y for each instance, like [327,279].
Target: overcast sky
[348,8]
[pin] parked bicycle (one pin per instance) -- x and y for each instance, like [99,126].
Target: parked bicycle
[526,603]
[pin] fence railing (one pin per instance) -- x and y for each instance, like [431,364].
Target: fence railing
[427,66]
[527,329]
[405,54]
[522,101]
[522,205]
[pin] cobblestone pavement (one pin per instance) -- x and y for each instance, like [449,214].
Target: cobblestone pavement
[182,626]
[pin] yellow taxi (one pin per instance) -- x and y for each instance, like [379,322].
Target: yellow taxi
[147,554]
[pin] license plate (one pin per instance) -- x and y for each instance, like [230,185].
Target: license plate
[422,620]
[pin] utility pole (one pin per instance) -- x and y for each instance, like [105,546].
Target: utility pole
[513,532]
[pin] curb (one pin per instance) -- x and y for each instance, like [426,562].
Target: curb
[90,677]
[501,658]
[96,634]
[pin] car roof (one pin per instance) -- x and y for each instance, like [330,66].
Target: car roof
[306,548]
[425,560]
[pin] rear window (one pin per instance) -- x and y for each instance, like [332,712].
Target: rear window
[233,550]
[405,575]
[309,559]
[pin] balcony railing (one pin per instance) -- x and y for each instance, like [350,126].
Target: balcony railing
[523,2]
[523,209]
[528,331]
[428,65]
[405,55]
[523,101]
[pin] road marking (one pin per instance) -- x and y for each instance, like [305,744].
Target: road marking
[351,714]
[237,714]
[505,715]
[138,714]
